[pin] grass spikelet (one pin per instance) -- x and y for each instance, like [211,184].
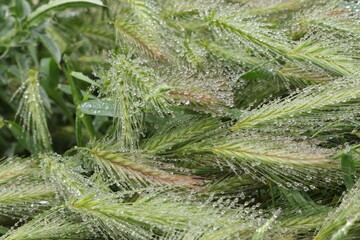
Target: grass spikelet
[326,57]
[260,232]
[311,99]
[331,19]
[180,132]
[343,217]
[300,76]
[127,32]
[132,90]
[52,224]
[253,37]
[129,170]
[20,198]
[206,93]
[142,9]
[12,169]
[278,6]
[30,192]
[67,182]
[268,44]
[155,215]
[196,100]
[32,110]
[278,159]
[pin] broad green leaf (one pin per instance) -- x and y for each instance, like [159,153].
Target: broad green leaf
[98,107]
[60,4]
[84,78]
[51,46]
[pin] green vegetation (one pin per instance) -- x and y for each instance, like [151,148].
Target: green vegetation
[179,120]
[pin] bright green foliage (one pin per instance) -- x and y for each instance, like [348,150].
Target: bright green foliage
[179,120]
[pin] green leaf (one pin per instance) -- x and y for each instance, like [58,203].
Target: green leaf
[49,73]
[78,99]
[78,129]
[348,169]
[49,80]
[3,230]
[65,88]
[51,46]
[100,107]
[22,8]
[32,47]
[84,78]
[22,136]
[1,122]
[60,4]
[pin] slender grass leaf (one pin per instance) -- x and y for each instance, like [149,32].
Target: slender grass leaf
[65,88]
[51,47]
[78,129]
[50,75]
[348,169]
[22,136]
[78,98]
[84,78]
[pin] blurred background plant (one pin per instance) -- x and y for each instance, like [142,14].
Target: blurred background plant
[198,119]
